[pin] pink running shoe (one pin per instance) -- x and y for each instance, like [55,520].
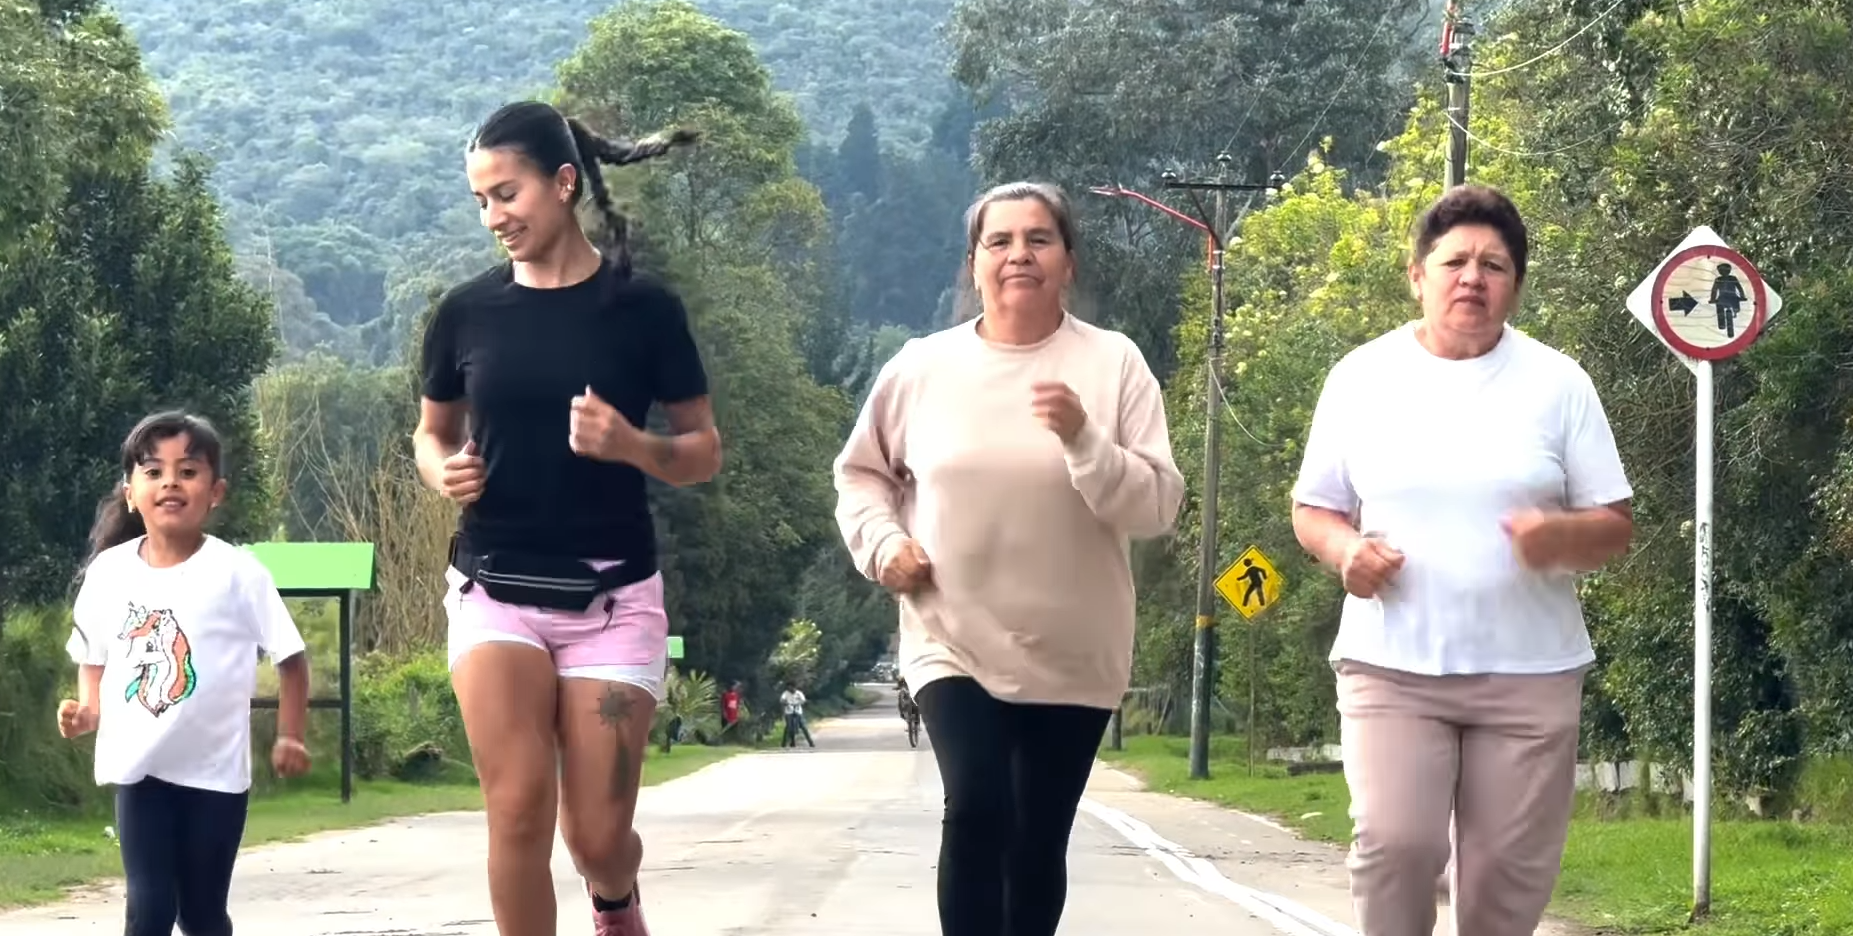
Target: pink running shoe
[625,922]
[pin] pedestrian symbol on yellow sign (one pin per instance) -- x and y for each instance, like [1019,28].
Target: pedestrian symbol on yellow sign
[1250,584]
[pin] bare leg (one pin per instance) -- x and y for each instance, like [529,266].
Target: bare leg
[506,693]
[603,729]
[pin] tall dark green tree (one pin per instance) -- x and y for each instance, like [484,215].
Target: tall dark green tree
[117,292]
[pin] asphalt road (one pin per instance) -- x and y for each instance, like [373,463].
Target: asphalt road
[832,841]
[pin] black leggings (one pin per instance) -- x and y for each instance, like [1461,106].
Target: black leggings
[1014,775]
[178,848]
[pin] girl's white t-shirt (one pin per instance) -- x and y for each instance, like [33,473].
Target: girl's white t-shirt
[1433,454]
[179,649]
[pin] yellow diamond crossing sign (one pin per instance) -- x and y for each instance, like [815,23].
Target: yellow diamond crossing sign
[1250,583]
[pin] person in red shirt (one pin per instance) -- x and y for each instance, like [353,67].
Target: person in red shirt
[730,706]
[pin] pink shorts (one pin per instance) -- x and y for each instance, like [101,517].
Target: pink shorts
[628,644]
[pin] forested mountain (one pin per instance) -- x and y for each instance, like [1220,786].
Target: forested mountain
[336,129]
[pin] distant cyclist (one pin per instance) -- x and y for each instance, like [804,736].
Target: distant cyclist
[905,699]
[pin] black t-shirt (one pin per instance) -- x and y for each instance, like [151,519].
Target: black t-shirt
[520,355]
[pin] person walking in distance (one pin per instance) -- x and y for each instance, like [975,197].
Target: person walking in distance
[997,500]
[558,636]
[730,708]
[1458,476]
[793,701]
[168,624]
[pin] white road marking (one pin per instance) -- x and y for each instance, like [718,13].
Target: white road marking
[1286,915]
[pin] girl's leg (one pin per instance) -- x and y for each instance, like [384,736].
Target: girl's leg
[504,679]
[212,829]
[1402,761]
[973,734]
[1518,787]
[148,830]
[1050,767]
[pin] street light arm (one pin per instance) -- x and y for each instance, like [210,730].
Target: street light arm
[1115,191]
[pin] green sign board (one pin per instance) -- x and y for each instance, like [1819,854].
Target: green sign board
[317,568]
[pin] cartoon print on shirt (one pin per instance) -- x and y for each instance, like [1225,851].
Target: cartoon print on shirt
[163,657]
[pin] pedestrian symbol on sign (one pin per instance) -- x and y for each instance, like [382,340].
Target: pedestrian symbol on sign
[1250,584]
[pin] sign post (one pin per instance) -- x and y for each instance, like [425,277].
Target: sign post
[1251,585]
[1706,303]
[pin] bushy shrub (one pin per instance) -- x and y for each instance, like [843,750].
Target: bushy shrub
[38,768]
[407,723]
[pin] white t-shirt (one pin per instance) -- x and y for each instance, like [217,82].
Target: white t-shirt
[179,649]
[1433,454]
[794,701]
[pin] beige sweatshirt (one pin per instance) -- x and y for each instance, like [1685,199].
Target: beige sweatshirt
[1028,538]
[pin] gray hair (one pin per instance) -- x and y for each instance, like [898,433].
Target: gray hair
[967,305]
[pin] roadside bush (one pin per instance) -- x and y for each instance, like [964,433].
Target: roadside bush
[39,770]
[407,723]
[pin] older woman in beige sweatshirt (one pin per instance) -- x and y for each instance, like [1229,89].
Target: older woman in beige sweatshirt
[993,481]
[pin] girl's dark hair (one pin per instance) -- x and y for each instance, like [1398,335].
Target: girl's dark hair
[115,523]
[549,139]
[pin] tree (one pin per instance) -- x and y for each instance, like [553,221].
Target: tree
[1115,93]
[742,237]
[117,293]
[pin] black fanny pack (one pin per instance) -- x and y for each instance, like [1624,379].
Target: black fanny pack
[557,583]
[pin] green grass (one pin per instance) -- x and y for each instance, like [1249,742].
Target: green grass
[41,855]
[1629,875]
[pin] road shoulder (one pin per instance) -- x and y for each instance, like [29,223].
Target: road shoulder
[1256,855]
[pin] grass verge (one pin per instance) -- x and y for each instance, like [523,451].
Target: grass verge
[1627,876]
[41,856]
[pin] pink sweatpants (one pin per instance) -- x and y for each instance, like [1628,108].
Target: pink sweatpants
[1498,753]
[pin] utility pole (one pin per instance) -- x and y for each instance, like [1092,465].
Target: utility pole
[1203,662]
[1457,69]
[1203,666]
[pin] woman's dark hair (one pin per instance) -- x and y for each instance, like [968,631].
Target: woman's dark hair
[549,139]
[115,523]
[1051,197]
[1474,204]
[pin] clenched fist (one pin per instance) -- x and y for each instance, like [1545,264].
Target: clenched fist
[289,758]
[908,569]
[1369,564]
[599,431]
[464,474]
[75,720]
[1058,408]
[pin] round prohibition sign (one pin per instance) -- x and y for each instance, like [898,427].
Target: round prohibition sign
[1758,295]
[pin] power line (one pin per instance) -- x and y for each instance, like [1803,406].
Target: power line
[1553,50]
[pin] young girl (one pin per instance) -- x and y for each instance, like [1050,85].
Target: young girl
[168,624]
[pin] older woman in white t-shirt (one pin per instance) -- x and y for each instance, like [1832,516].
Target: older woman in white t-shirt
[1458,475]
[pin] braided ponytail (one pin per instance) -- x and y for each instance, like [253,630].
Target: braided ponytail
[550,140]
[595,151]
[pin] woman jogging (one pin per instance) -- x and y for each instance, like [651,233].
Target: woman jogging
[998,501]
[1458,477]
[168,624]
[537,376]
